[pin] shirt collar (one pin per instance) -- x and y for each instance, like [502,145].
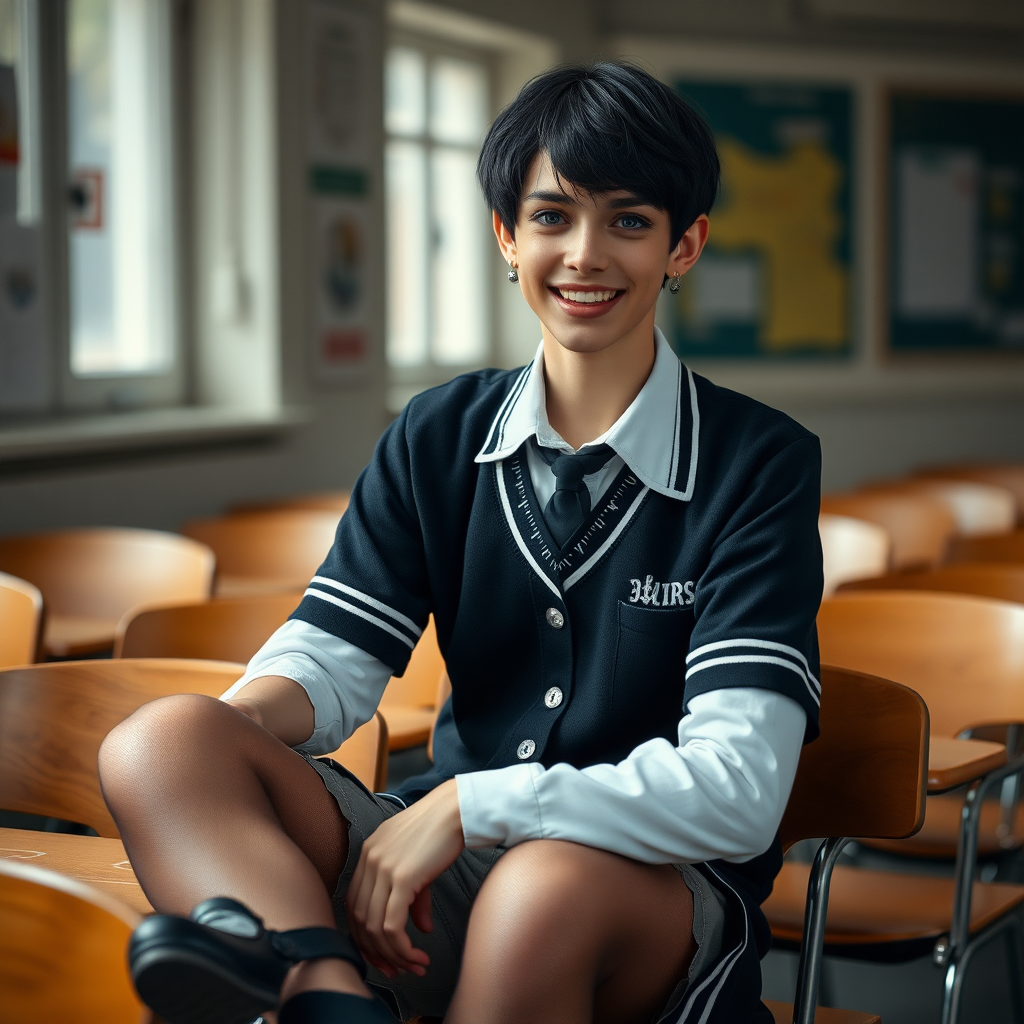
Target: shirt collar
[657,436]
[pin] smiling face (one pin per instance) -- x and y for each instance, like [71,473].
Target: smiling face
[591,265]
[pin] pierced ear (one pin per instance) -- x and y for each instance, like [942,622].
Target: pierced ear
[689,247]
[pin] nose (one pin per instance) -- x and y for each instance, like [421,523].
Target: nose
[585,253]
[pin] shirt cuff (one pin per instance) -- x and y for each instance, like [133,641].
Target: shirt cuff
[500,807]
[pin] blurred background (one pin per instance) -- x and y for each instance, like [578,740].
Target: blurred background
[237,235]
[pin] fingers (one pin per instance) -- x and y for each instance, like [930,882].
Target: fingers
[378,908]
[420,911]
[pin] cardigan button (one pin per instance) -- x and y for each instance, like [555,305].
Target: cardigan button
[553,697]
[526,749]
[555,618]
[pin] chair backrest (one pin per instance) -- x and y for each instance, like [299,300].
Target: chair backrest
[103,573]
[417,687]
[1007,475]
[21,621]
[1004,582]
[266,551]
[327,501]
[53,718]
[963,654]
[224,629]
[63,950]
[866,774]
[1007,548]
[852,549]
[919,525]
[980,509]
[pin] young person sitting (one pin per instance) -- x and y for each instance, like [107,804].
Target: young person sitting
[623,564]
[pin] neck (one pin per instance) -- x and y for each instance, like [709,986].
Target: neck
[586,392]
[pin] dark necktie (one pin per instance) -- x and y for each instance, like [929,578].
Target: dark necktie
[569,505]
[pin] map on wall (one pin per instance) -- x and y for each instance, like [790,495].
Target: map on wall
[774,279]
[956,265]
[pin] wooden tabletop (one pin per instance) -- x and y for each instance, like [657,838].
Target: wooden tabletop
[953,763]
[101,863]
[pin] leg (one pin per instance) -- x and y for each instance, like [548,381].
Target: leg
[209,804]
[566,933]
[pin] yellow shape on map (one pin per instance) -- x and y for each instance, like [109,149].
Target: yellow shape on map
[785,207]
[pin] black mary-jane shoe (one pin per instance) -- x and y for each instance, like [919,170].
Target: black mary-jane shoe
[220,965]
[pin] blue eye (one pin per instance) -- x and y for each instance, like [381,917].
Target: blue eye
[632,221]
[548,218]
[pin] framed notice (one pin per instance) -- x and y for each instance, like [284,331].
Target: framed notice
[956,222]
[774,279]
[340,108]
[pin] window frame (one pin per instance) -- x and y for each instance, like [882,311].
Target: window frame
[406,381]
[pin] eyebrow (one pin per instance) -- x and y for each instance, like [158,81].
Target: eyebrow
[621,203]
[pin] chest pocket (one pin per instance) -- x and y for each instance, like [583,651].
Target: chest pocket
[650,669]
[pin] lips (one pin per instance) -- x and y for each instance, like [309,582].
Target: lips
[586,303]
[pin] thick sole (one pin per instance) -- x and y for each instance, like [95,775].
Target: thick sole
[188,988]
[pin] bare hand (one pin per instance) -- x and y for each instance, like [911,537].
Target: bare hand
[397,864]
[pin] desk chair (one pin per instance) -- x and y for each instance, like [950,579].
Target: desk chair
[63,951]
[1004,582]
[920,526]
[21,621]
[89,578]
[865,775]
[965,656]
[1008,475]
[327,501]
[53,719]
[1007,548]
[224,629]
[852,549]
[266,552]
[409,704]
[980,510]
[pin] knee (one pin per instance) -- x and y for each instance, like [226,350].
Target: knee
[540,887]
[157,734]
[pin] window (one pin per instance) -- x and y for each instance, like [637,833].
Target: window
[439,260]
[19,149]
[120,250]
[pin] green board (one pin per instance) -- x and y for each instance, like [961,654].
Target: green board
[956,215]
[774,279]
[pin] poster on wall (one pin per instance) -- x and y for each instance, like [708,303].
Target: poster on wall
[339,131]
[956,222]
[774,281]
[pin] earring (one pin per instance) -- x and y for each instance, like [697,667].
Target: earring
[673,285]
[513,273]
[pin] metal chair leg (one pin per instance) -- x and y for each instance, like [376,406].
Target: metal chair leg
[1015,967]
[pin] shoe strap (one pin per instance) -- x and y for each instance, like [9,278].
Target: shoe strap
[314,943]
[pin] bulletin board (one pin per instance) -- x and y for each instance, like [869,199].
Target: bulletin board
[955,230]
[774,280]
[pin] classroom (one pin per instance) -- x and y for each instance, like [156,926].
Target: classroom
[245,248]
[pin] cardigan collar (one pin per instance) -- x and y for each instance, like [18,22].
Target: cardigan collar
[657,436]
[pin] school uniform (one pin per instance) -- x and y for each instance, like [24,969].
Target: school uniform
[644,687]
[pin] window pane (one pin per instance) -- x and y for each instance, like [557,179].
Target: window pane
[405,92]
[459,326]
[458,101]
[17,50]
[119,245]
[407,253]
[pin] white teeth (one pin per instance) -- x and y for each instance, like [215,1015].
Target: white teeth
[586,296]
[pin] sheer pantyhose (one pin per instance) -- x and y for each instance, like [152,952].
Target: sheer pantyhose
[210,804]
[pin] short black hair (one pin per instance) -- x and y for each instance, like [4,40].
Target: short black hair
[605,126]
